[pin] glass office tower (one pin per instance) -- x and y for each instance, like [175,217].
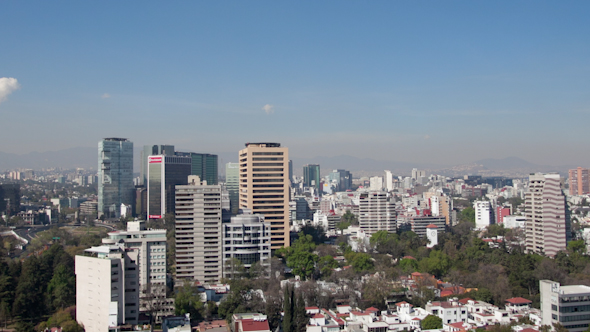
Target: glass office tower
[115,176]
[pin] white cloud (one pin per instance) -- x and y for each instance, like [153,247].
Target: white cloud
[7,86]
[269,109]
[427,137]
[105,96]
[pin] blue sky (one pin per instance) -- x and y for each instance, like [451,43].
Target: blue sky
[425,81]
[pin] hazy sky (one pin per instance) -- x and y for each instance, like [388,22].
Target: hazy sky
[441,81]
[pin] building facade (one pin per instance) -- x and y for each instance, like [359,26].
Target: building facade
[164,173]
[232,184]
[311,177]
[579,183]
[547,218]
[264,187]
[115,176]
[566,305]
[107,288]
[204,165]
[376,212]
[246,239]
[483,214]
[152,150]
[198,232]
[340,180]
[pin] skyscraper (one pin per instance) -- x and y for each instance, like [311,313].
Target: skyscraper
[340,179]
[115,176]
[264,187]
[152,150]
[377,212]
[232,182]
[204,165]
[198,232]
[165,172]
[579,184]
[311,176]
[547,218]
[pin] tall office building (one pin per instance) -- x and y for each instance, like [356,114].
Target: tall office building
[311,176]
[198,232]
[264,187]
[376,212]
[547,218]
[164,173]
[579,184]
[151,150]
[115,173]
[107,290]
[203,165]
[340,180]
[232,183]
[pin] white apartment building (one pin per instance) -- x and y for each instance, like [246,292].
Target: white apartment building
[376,183]
[483,214]
[198,232]
[107,287]
[566,305]
[246,239]
[449,312]
[376,212]
[152,263]
[388,181]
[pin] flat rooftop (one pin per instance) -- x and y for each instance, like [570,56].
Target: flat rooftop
[574,289]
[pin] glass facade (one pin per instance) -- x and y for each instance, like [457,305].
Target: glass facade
[115,176]
[164,173]
[232,178]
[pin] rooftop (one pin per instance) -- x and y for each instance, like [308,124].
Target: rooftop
[520,300]
[574,289]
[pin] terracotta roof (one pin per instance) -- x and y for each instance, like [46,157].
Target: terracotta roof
[312,308]
[446,293]
[431,226]
[318,316]
[408,257]
[372,309]
[457,325]
[416,318]
[518,300]
[252,325]
[465,300]
[399,304]
[529,330]
[358,313]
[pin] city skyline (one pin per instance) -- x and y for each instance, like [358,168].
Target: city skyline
[418,82]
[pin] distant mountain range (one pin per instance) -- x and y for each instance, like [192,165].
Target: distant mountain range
[86,157]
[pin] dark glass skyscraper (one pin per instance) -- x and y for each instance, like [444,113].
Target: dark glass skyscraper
[115,176]
[152,150]
[311,176]
[164,173]
[204,165]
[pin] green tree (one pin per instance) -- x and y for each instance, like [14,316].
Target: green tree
[61,290]
[431,322]
[300,256]
[467,215]
[300,318]
[350,218]
[288,310]
[326,264]
[187,300]
[361,262]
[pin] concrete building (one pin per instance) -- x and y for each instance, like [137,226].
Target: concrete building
[547,218]
[198,232]
[232,183]
[107,288]
[246,239]
[115,176]
[376,212]
[311,177]
[375,183]
[566,305]
[164,173]
[483,214]
[151,264]
[419,224]
[579,183]
[264,187]
[151,150]
[388,179]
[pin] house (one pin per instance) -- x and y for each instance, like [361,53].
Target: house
[518,304]
[448,311]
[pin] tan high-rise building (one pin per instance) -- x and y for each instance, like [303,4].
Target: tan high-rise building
[547,217]
[264,187]
[579,184]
